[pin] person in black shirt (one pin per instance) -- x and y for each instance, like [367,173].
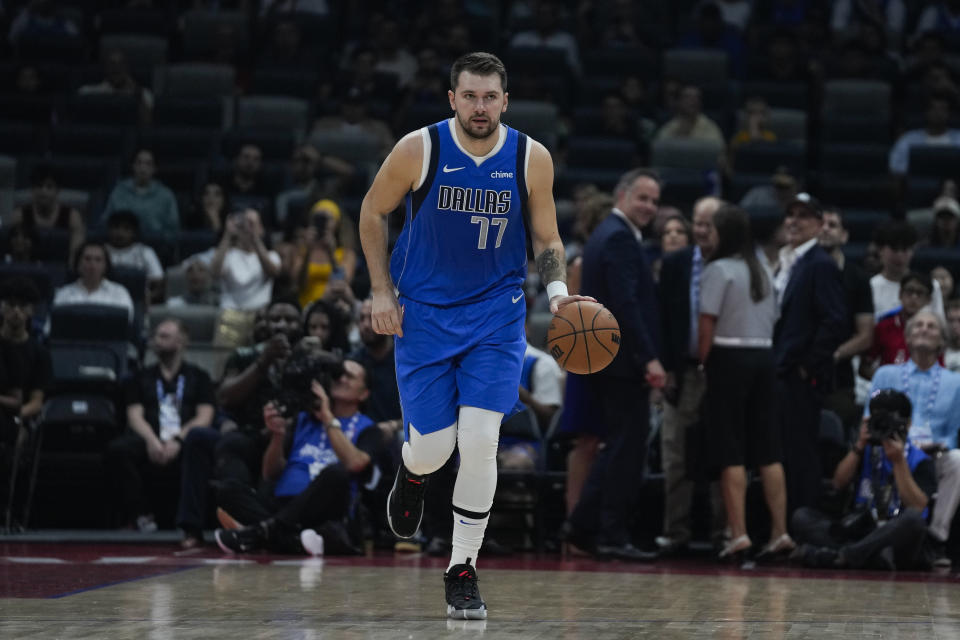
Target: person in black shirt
[856,286]
[29,362]
[164,403]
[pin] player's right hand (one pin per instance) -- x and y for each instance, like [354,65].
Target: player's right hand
[387,314]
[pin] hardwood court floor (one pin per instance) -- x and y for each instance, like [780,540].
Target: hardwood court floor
[151,592]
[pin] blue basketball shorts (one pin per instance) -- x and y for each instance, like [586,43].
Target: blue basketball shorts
[465,355]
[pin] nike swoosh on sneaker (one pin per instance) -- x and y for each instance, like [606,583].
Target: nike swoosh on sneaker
[447,169]
[517,299]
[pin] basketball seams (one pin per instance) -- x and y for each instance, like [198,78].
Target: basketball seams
[593,330]
[586,347]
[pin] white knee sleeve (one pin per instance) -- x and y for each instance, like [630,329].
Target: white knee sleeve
[425,453]
[478,433]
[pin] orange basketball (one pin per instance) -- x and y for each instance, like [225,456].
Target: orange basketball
[583,337]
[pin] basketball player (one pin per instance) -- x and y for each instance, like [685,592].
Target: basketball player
[476,192]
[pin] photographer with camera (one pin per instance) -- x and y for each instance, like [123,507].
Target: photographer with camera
[322,455]
[893,482]
[935,394]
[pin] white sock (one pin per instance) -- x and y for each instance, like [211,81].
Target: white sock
[467,538]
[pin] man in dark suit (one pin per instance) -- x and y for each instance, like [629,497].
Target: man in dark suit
[685,386]
[616,273]
[812,324]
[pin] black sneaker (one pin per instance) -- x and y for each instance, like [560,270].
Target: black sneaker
[405,503]
[243,540]
[463,595]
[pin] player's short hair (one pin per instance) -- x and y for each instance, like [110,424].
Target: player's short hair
[626,180]
[480,63]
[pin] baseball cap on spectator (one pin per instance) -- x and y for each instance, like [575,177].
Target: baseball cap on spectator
[946,205]
[805,204]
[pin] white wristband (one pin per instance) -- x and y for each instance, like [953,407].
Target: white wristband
[556,288]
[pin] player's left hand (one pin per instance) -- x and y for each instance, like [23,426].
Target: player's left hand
[559,302]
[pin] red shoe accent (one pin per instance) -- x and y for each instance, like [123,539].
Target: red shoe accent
[406,514]
[414,481]
[463,573]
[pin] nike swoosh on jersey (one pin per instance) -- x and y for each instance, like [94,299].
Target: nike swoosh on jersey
[447,169]
[517,299]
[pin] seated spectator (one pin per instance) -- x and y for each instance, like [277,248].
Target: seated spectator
[123,231]
[951,356]
[945,279]
[22,243]
[617,121]
[710,31]
[310,173]
[317,461]
[323,322]
[376,355]
[354,117]
[690,123]
[547,34]
[889,15]
[199,288]
[117,80]
[242,263]
[942,18]
[210,209]
[936,131]
[896,242]
[755,129]
[782,190]
[889,336]
[41,21]
[945,231]
[164,402]
[92,286]
[46,212]
[246,187]
[892,466]
[152,202]
[325,252]
[32,366]
[392,57]
[935,396]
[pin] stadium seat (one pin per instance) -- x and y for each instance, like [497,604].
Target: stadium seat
[786,95]
[105,109]
[20,139]
[685,154]
[622,62]
[141,51]
[192,242]
[601,153]
[861,223]
[926,258]
[201,29]
[135,21]
[182,175]
[291,83]
[683,187]
[194,80]
[86,173]
[356,147]
[422,115]
[538,119]
[761,158]
[934,161]
[36,109]
[695,66]
[865,160]
[212,113]
[856,98]
[789,125]
[277,112]
[88,322]
[170,143]
[90,140]
[200,321]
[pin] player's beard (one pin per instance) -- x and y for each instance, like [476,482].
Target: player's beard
[473,131]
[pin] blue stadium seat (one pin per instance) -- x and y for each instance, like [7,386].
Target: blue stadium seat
[189,111]
[622,62]
[763,157]
[275,145]
[284,82]
[601,153]
[786,95]
[170,143]
[926,258]
[141,20]
[90,140]
[101,109]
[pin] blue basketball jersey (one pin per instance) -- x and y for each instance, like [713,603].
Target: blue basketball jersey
[465,236]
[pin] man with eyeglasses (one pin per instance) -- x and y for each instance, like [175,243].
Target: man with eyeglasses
[812,324]
[934,393]
[896,241]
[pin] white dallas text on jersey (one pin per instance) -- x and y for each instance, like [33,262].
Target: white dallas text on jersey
[473,200]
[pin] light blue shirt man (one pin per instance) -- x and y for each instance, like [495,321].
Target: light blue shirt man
[935,395]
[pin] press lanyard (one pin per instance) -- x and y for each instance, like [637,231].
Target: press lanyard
[931,398]
[162,395]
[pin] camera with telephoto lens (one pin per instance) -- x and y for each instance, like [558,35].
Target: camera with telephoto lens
[890,412]
[307,362]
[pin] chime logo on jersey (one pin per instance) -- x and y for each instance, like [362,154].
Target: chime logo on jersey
[473,200]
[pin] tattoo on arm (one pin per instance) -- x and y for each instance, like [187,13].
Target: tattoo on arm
[551,267]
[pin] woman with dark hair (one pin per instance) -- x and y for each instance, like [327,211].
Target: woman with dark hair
[210,208]
[738,310]
[322,320]
[92,287]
